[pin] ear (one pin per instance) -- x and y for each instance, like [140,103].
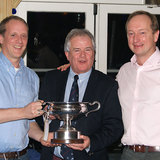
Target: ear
[67,55]
[1,39]
[156,35]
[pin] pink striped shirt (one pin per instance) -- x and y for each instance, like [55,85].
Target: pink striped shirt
[139,94]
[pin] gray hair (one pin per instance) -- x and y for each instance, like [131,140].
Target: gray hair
[78,32]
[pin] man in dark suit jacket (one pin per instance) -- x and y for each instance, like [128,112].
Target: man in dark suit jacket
[99,129]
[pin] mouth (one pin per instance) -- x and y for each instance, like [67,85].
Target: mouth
[17,47]
[138,45]
[82,61]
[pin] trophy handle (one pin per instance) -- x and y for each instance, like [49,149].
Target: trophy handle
[46,126]
[47,106]
[91,104]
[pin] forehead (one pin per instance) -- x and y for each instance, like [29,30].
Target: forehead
[16,26]
[139,21]
[82,39]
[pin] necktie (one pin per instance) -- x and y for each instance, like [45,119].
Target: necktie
[74,94]
[67,152]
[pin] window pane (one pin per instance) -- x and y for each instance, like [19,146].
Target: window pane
[118,51]
[47,32]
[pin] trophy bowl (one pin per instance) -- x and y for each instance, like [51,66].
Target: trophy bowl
[67,112]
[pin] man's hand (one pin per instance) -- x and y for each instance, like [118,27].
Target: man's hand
[48,143]
[63,67]
[81,146]
[33,109]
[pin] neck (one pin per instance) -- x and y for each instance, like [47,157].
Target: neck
[15,64]
[141,59]
[14,61]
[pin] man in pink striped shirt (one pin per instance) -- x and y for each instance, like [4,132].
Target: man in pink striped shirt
[139,89]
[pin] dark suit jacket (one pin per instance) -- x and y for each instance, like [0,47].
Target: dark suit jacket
[103,127]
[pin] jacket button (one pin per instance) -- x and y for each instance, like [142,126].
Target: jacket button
[90,153]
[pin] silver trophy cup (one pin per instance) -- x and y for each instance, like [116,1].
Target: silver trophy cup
[66,112]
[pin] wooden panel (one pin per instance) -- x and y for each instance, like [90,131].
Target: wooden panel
[3,4]
[6,7]
[15,3]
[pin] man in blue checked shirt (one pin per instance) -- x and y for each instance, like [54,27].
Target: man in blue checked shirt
[19,87]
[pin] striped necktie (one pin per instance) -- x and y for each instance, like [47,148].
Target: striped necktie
[74,94]
[67,152]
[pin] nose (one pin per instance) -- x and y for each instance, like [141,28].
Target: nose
[136,38]
[82,53]
[19,39]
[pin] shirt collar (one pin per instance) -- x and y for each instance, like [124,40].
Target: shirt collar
[7,64]
[81,76]
[153,60]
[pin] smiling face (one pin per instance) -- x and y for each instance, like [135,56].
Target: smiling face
[141,39]
[14,41]
[81,54]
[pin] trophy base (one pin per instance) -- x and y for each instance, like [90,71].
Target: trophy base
[67,141]
[67,136]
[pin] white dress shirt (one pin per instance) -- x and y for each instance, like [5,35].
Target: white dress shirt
[139,94]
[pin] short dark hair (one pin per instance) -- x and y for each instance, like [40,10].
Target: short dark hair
[8,19]
[153,18]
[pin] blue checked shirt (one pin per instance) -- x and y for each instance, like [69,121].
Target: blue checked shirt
[17,89]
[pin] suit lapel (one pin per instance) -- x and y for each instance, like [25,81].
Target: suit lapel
[61,85]
[91,86]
